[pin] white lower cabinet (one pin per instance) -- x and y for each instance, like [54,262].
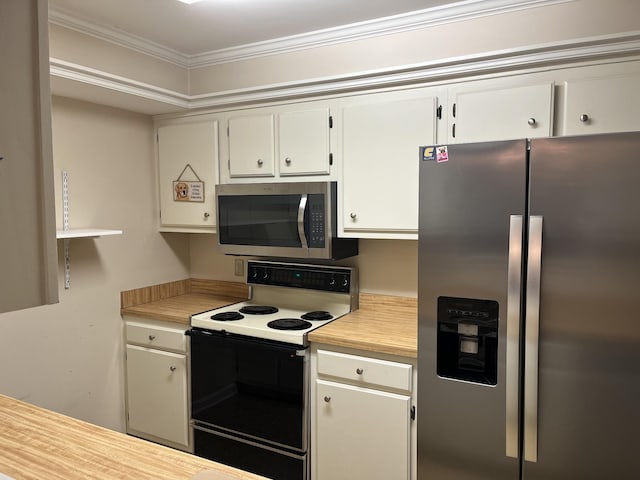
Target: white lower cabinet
[363,424]
[157,397]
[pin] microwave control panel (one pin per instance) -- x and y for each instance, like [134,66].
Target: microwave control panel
[315,221]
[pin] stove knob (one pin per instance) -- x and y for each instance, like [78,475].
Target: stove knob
[332,282]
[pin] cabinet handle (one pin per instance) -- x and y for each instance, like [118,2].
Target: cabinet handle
[584,118]
[152,337]
[327,398]
[207,214]
[353,216]
[359,371]
[287,161]
[172,368]
[532,121]
[260,162]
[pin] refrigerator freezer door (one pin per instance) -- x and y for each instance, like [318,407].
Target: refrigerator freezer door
[467,200]
[587,189]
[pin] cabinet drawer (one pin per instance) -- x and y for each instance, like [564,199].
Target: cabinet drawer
[164,338]
[364,370]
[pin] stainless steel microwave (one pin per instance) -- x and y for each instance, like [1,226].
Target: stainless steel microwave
[287,220]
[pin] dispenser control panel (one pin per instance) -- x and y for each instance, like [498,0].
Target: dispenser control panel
[467,343]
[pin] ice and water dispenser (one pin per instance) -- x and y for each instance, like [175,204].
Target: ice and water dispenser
[468,340]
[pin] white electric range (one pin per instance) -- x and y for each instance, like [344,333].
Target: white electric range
[287,302]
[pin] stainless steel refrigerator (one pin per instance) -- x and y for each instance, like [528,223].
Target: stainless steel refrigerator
[529,310]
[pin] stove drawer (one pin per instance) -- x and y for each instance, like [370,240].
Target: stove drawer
[156,336]
[365,371]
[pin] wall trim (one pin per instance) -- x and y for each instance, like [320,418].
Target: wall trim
[97,78]
[460,11]
[608,47]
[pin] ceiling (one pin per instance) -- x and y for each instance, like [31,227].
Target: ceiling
[217,25]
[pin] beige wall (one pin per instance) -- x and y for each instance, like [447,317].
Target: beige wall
[78,48]
[69,356]
[534,26]
[570,21]
[387,267]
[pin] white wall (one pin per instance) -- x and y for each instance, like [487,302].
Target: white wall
[69,356]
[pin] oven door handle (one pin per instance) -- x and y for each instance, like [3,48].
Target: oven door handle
[301,209]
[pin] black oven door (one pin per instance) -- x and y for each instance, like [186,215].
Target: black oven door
[251,388]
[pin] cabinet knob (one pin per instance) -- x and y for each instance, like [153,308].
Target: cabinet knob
[584,118]
[172,368]
[327,398]
[287,161]
[532,121]
[152,337]
[207,214]
[353,215]
[260,162]
[359,371]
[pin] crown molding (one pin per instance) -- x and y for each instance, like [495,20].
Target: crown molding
[601,48]
[464,10]
[97,78]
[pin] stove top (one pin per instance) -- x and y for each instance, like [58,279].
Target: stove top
[287,302]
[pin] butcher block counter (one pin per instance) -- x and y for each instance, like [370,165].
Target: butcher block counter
[37,444]
[176,301]
[383,324]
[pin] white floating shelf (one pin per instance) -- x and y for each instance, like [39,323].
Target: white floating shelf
[86,233]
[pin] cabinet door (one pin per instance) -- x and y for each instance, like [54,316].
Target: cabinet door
[361,433]
[380,136]
[303,142]
[480,115]
[28,259]
[601,105]
[251,146]
[188,153]
[157,394]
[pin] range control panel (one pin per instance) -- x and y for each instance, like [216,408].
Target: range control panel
[312,277]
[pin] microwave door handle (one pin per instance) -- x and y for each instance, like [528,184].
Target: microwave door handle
[301,209]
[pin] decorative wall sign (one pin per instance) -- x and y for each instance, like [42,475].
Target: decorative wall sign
[187,190]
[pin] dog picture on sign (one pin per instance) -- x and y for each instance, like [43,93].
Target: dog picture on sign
[186,190]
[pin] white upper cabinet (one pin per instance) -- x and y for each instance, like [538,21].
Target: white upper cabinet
[602,105]
[303,142]
[379,135]
[481,112]
[188,173]
[281,143]
[252,145]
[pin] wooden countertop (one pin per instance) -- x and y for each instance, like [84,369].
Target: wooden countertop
[176,301]
[383,324]
[37,444]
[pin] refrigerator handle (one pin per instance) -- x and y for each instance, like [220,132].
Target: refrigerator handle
[532,332]
[514,287]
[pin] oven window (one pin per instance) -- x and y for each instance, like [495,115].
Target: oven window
[247,386]
[265,220]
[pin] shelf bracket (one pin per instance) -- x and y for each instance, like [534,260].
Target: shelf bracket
[65,227]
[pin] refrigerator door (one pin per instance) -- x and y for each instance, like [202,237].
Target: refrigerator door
[586,424]
[470,238]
